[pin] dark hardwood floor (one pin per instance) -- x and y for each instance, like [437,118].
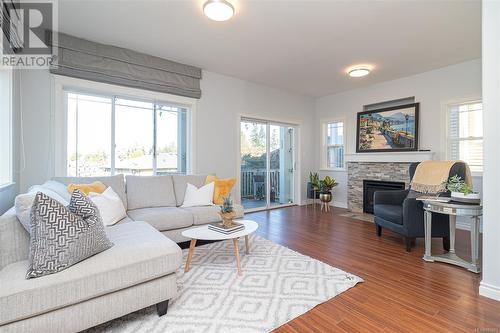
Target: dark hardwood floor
[401,292]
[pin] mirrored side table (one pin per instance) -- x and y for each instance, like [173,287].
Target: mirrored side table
[453,209]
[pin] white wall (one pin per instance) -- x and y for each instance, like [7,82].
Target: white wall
[432,89]
[8,194]
[36,101]
[490,285]
[223,100]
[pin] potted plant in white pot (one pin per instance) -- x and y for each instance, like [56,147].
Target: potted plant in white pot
[461,191]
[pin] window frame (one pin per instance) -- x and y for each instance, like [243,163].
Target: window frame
[325,145]
[62,85]
[448,139]
[9,176]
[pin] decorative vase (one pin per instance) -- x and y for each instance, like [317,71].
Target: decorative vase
[325,199]
[227,219]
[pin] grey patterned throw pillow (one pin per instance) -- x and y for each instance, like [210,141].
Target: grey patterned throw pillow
[62,236]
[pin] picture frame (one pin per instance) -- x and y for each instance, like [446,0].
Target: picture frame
[391,129]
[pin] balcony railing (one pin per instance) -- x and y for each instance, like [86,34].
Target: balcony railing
[253,184]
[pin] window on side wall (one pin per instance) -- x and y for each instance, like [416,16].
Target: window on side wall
[109,135]
[333,152]
[465,134]
[5,127]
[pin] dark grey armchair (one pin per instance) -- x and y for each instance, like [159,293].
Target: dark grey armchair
[400,212]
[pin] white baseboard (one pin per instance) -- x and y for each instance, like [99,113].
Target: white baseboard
[490,291]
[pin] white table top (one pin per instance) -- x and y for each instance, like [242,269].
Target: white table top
[206,234]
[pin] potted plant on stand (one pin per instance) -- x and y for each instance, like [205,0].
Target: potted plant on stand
[325,192]
[313,186]
[461,191]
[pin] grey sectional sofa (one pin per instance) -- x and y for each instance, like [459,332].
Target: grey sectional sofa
[138,271]
[157,200]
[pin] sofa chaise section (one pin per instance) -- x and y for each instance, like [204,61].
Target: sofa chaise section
[137,272]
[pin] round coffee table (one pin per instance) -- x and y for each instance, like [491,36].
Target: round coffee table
[203,233]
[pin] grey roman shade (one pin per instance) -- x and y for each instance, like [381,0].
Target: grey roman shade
[11,25]
[88,60]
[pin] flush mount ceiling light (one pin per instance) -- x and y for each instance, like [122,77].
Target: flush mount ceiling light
[359,71]
[218,10]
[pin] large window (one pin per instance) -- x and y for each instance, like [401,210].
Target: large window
[109,135]
[5,127]
[334,144]
[465,134]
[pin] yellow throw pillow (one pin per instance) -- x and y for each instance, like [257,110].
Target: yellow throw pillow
[222,188]
[96,187]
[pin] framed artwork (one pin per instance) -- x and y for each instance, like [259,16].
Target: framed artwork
[390,129]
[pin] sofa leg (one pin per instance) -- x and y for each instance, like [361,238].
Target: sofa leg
[379,230]
[409,243]
[446,244]
[161,308]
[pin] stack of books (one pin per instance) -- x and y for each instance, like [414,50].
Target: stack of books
[236,227]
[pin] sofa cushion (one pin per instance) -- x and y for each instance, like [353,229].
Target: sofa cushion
[57,187]
[150,191]
[222,188]
[180,184]
[209,214]
[163,218]
[110,206]
[117,183]
[391,213]
[196,197]
[24,202]
[140,254]
[96,187]
[63,236]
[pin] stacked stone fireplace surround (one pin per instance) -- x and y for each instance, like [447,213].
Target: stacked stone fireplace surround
[382,171]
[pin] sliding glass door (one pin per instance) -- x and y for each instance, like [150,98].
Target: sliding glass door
[267,164]
[281,168]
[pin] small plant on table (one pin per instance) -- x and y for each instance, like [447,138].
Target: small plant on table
[227,212]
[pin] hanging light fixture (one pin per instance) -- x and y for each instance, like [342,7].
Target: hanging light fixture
[218,10]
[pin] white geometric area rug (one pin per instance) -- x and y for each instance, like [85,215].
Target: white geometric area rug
[276,285]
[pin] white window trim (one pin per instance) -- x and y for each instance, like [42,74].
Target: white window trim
[445,118]
[323,149]
[10,139]
[62,83]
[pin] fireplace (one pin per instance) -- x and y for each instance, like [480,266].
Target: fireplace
[371,186]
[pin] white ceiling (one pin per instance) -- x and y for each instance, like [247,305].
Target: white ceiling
[300,46]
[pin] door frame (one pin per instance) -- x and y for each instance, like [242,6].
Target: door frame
[296,178]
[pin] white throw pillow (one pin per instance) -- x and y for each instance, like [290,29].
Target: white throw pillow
[110,206]
[56,187]
[202,196]
[24,202]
